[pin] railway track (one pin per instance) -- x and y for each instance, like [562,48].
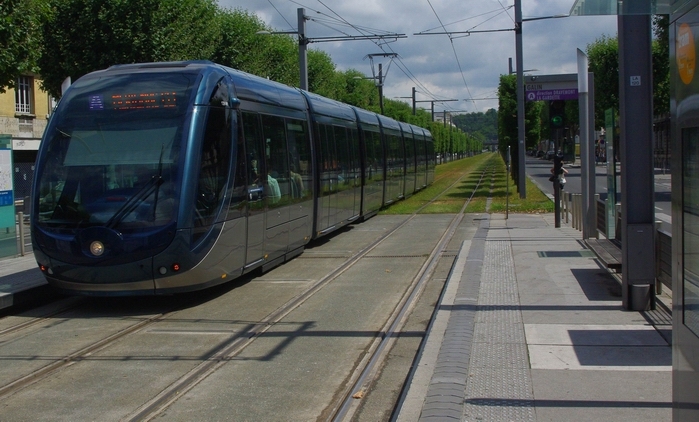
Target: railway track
[122,329]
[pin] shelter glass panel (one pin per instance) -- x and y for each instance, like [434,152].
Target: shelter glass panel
[690,227]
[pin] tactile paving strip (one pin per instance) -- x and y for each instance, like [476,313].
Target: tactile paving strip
[446,393]
[499,385]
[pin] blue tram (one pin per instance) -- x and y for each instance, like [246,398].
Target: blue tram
[159,178]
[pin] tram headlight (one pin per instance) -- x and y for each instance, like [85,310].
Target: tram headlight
[97,248]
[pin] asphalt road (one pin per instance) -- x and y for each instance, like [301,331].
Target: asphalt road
[540,171]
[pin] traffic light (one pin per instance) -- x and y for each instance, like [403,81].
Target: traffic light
[557,113]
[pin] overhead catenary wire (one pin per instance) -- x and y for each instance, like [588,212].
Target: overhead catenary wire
[382,46]
[329,18]
[456,56]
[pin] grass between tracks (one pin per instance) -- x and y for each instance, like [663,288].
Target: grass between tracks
[494,184]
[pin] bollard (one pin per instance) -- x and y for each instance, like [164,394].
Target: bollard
[658,283]
[594,205]
[20,219]
[577,210]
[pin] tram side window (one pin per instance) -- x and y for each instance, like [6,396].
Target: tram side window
[239,192]
[299,159]
[374,158]
[327,159]
[277,165]
[354,170]
[343,157]
[253,159]
[214,164]
[394,156]
[410,154]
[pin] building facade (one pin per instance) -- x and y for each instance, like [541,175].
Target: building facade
[24,112]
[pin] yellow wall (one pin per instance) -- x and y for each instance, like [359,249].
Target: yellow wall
[7,103]
[40,99]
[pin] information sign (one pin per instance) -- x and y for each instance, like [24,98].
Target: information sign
[551,94]
[551,87]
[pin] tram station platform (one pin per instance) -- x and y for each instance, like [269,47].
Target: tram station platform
[530,327]
[20,280]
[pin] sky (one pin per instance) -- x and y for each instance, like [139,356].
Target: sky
[444,66]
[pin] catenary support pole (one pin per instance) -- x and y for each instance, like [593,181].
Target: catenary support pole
[637,173]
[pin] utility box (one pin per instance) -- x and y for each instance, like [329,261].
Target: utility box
[642,270]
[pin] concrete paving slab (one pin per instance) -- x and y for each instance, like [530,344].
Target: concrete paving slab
[601,358]
[593,335]
[627,396]
[578,315]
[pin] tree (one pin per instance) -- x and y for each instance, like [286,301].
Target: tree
[603,56]
[507,121]
[20,39]
[323,79]
[661,65]
[105,33]
[241,47]
[603,61]
[482,124]
[359,92]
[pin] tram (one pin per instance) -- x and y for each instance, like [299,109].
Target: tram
[160,178]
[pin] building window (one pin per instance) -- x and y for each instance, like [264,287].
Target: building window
[23,95]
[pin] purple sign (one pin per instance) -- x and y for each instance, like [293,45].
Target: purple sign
[96,102]
[552,94]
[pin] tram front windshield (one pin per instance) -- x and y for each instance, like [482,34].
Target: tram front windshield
[111,153]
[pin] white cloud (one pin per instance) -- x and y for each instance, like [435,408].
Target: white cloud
[429,62]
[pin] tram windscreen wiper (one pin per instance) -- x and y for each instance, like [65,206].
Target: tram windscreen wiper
[153,186]
[135,200]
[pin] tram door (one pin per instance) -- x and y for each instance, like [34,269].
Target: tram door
[255,188]
[278,189]
[684,37]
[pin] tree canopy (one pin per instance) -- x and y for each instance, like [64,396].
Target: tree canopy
[101,34]
[20,39]
[603,56]
[56,39]
[481,125]
[507,121]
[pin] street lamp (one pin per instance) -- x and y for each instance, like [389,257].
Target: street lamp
[304,41]
[525,70]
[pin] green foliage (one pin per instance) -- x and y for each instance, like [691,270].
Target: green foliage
[358,91]
[661,64]
[81,36]
[323,79]
[603,56]
[104,33]
[241,47]
[20,39]
[483,126]
[507,121]
[603,59]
